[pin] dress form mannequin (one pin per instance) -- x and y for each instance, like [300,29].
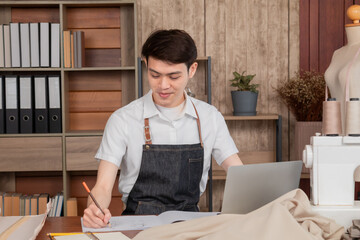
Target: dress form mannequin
[336,74]
[344,64]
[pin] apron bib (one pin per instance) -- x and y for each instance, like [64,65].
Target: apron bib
[169,177]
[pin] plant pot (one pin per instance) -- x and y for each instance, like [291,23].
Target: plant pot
[244,103]
[303,132]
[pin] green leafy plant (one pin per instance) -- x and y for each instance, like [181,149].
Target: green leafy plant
[303,95]
[242,82]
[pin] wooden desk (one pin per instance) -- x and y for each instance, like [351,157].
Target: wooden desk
[68,224]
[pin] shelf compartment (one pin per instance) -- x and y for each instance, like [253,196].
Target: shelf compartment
[108,42]
[80,152]
[31,154]
[38,182]
[91,97]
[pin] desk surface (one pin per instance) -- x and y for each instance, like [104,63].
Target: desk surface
[67,224]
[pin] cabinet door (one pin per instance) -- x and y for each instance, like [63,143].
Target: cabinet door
[31,154]
[80,152]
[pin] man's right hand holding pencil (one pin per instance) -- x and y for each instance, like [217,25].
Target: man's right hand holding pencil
[94,218]
[97,214]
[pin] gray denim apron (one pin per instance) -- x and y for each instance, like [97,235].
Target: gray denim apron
[169,177]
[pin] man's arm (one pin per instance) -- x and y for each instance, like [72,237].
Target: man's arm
[102,192]
[233,160]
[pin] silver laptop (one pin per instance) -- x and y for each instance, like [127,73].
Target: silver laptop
[249,187]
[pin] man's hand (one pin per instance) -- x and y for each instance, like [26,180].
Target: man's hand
[93,217]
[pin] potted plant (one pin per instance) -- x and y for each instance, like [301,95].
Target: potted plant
[303,95]
[244,98]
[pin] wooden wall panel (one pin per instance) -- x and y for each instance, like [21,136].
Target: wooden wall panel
[39,184]
[105,101]
[322,31]
[88,121]
[38,14]
[103,57]
[215,43]
[331,26]
[85,81]
[294,64]
[101,38]
[93,17]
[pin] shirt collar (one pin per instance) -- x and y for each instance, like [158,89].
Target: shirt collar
[150,109]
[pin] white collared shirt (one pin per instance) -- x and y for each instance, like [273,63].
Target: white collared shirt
[124,138]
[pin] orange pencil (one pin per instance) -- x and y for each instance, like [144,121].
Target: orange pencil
[94,200]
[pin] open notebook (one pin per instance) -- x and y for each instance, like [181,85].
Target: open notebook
[123,223]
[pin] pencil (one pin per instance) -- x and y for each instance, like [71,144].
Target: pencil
[94,200]
[64,234]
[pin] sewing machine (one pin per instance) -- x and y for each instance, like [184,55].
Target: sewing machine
[332,162]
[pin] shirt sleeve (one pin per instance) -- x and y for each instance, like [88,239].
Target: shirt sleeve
[113,144]
[224,145]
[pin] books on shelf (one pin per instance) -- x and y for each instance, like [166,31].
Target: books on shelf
[17,204]
[71,207]
[6,32]
[25,44]
[55,45]
[74,49]
[2,54]
[15,45]
[30,45]
[30,104]
[57,205]
[34,45]
[44,44]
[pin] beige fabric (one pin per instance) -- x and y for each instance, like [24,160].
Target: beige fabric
[288,217]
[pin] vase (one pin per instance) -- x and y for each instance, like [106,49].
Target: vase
[303,132]
[244,103]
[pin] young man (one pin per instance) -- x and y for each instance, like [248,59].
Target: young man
[163,141]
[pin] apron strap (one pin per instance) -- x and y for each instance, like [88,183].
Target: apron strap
[199,126]
[148,135]
[147,131]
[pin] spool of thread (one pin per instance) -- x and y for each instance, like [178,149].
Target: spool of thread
[353,117]
[331,118]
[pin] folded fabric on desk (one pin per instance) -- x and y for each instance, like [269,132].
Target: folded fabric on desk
[288,217]
[353,232]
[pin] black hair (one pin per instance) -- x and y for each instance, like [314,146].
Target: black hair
[173,46]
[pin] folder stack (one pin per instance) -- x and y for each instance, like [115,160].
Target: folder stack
[30,45]
[30,104]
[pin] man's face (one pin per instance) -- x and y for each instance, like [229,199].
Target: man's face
[168,81]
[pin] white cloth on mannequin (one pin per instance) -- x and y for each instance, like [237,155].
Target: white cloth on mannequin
[335,75]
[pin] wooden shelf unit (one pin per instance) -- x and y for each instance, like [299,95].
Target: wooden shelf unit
[89,94]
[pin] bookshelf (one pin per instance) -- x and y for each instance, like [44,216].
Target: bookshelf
[88,95]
